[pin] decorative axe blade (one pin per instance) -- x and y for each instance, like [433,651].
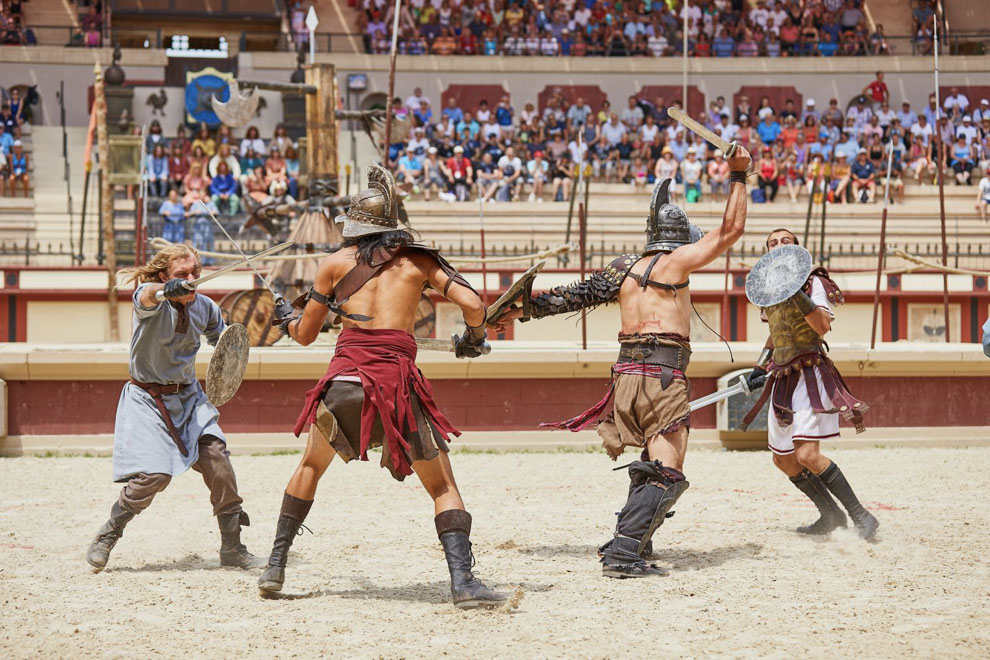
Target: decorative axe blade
[240,109]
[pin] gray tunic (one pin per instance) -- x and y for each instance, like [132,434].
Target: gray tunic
[142,442]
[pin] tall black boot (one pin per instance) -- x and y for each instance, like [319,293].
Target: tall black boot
[107,537]
[232,551]
[636,479]
[294,512]
[454,530]
[646,508]
[831,515]
[866,523]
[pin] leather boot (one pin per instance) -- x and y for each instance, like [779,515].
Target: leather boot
[290,520]
[653,492]
[107,537]
[232,551]
[454,530]
[865,522]
[831,515]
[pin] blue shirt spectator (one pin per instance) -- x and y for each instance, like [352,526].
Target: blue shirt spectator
[172,210]
[850,148]
[503,114]
[768,130]
[472,127]
[158,167]
[6,142]
[453,113]
[827,48]
[410,162]
[863,170]
[819,148]
[723,46]
[223,184]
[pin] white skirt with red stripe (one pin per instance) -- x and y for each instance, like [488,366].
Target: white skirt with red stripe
[808,425]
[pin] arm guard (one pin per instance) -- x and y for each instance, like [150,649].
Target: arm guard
[600,288]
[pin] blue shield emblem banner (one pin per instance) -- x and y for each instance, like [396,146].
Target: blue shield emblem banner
[201,86]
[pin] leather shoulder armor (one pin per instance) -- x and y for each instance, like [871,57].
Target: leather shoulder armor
[832,290]
[601,288]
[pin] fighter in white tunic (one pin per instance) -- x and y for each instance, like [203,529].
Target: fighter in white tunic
[807,394]
[165,424]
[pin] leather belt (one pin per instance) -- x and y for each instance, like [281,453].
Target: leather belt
[674,357]
[156,390]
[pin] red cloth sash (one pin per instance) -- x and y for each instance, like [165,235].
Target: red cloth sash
[385,361]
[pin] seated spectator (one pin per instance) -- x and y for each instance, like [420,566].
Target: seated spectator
[275,169]
[18,167]
[538,173]
[962,161]
[156,171]
[255,186]
[6,140]
[691,169]
[768,129]
[198,157]
[488,177]
[841,175]
[563,174]
[202,225]
[982,201]
[280,139]
[793,176]
[252,141]
[154,136]
[459,174]
[433,177]
[747,46]
[4,172]
[195,184]
[718,175]
[920,160]
[174,218]
[864,176]
[511,182]
[181,140]
[205,142]
[667,168]
[224,155]
[875,152]
[410,172]
[249,162]
[178,167]
[768,174]
[444,44]
[223,190]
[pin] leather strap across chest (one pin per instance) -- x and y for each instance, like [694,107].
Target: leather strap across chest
[644,279]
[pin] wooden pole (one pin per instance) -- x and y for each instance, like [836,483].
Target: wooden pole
[939,165]
[582,236]
[100,105]
[821,255]
[321,136]
[391,81]
[883,247]
[811,202]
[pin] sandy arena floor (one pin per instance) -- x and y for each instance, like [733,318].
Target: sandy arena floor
[372,581]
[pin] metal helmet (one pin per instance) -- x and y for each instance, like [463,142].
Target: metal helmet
[373,210]
[667,226]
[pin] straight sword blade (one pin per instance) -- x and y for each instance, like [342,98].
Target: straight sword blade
[442,345]
[715,397]
[247,260]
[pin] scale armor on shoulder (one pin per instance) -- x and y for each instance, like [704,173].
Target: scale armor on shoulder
[601,288]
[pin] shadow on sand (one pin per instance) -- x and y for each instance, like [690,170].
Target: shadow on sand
[187,563]
[674,559]
[433,593]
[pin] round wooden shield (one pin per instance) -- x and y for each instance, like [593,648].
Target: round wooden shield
[254,309]
[227,366]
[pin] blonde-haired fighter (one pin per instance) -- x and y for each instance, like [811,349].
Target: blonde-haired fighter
[165,424]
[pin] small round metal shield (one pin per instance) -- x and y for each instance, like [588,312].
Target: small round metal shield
[227,366]
[778,275]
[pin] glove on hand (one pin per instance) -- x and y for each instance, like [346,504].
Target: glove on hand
[176,288]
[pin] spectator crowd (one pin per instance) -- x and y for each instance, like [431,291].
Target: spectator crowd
[14,30]
[648,28]
[214,172]
[840,151]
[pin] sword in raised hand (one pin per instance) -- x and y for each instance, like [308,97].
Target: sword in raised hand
[728,148]
[191,286]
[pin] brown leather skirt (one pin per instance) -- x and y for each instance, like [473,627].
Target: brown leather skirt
[342,428]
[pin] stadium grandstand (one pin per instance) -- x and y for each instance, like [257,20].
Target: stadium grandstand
[527,139]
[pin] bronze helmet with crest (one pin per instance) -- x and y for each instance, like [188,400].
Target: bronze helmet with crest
[373,210]
[667,226]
